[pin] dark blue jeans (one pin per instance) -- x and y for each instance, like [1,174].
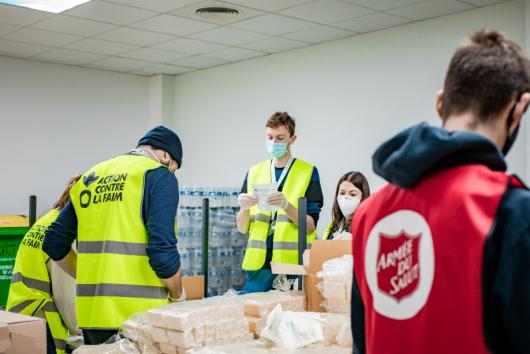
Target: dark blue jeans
[50,344]
[258,281]
[97,336]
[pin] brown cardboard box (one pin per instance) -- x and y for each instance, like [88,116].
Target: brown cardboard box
[194,287]
[256,324]
[21,334]
[321,251]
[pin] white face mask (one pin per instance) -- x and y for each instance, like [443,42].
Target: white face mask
[151,153]
[348,204]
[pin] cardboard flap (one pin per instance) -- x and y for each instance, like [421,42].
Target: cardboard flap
[194,287]
[5,337]
[323,250]
[10,318]
[290,269]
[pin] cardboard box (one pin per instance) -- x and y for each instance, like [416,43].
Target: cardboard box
[321,251]
[194,287]
[21,334]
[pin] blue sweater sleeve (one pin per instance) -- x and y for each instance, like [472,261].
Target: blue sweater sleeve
[159,209]
[315,198]
[61,234]
[506,276]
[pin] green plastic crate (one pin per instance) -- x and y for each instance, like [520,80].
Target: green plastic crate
[11,234]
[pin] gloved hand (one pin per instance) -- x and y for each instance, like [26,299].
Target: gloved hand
[181,298]
[278,199]
[344,235]
[246,201]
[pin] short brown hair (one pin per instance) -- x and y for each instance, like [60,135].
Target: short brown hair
[281,119]
[484,75]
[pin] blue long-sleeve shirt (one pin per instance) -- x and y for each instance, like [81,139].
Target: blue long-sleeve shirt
[159,208]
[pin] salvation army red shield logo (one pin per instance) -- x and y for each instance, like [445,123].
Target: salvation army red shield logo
[399,264]
[398,267]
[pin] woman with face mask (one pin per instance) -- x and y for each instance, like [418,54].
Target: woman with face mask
[352,189]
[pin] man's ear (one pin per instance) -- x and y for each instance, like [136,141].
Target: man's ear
[519,111]
[293,138]
[439,104]
[167,158]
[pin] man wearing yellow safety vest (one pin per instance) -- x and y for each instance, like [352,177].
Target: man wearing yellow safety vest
[30,292]
[273,236]
[123,216]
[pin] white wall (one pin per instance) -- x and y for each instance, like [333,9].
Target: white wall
[56,120]
[347,96]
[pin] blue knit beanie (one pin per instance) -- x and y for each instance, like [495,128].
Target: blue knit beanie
[164,139]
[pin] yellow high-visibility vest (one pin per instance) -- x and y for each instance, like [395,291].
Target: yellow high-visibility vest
[30,292]
[285,239]
[114,278]
[326,233]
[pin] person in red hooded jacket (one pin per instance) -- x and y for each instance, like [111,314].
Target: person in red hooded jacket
[442,252]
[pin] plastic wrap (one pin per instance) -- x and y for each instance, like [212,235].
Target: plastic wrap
[292,330]
[181,326]
[282,283]
[344,337]
[123,346]
[260,347]
[249,347]
[336,283]
[337,329]
[260,304]
[138,330]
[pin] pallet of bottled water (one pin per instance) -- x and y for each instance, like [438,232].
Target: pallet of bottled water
[226,245]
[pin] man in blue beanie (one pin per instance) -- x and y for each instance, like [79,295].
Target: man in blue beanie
[122,213]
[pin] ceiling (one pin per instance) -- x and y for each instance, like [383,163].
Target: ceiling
[149,37]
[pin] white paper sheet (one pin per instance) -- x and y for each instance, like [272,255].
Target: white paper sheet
[262,192]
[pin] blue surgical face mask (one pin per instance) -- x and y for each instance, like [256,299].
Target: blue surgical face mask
[277,150]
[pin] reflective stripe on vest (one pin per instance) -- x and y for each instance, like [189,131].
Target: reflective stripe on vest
[266,218]
[257,244]
[121,290]
[114,247]
[22,306]
[285,239]
[114,278]
[60,345]
[35,284]
[283,245]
